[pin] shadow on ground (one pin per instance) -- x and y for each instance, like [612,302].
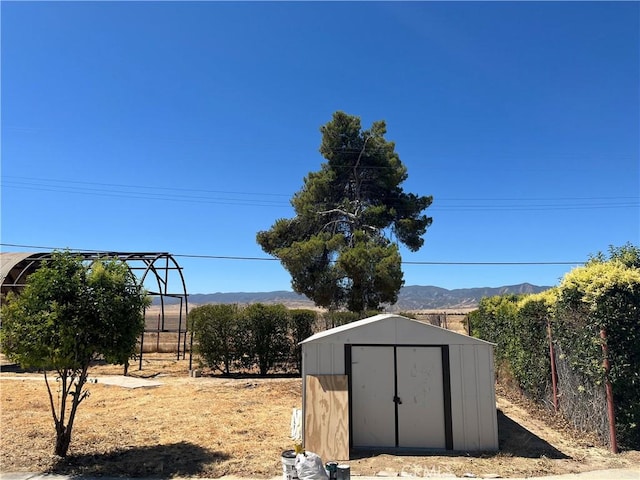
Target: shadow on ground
[251,376]
[513,440]
[179,459]
[9,367]
[516,440]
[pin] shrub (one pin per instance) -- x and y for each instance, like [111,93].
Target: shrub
[215,329]
[603,296]
[301,324]
[264,331]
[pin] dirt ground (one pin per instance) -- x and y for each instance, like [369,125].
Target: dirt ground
[212,426]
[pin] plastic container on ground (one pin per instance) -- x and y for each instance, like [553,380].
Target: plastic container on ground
[343,472]
[289,471]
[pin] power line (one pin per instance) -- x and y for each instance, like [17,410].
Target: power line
[142,192]
[28,181]
[493,263]
[266,199]
[150,187]
[230,257]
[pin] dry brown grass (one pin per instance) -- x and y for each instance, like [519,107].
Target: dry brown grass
[213,426]
[186,426]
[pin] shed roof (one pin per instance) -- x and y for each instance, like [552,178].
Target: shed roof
[428,330]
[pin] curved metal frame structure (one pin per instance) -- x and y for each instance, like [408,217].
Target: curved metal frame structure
[16,267]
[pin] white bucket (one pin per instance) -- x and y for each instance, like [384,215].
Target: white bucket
[289,471]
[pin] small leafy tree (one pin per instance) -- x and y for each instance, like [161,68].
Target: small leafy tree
[266,334]
[68,315]
[215,328]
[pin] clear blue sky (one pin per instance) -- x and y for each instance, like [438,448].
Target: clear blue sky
[187,127]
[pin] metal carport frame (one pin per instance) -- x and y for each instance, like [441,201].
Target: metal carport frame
[17,266]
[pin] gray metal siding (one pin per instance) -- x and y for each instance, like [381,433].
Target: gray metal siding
[473,407]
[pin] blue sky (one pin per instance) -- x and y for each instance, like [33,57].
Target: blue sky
[187,127]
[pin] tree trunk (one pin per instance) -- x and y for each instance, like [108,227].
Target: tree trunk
[63,432]
[63,440]
[264,366]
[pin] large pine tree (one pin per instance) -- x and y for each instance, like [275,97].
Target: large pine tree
[341,248]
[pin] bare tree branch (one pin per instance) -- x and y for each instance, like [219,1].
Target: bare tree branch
[340,211]
[53,407]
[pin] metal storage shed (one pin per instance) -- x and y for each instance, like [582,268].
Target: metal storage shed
[393,382]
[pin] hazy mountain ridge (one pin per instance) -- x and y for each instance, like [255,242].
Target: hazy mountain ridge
[416,297]
[413,297]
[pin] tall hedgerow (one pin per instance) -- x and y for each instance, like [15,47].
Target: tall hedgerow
[301,323]
[605,297]
[530,360]
[596,301]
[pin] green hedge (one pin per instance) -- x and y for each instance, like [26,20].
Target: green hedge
[604,295]
[257,337]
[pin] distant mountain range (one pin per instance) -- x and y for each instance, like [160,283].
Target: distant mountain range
[416,297]
[411,298]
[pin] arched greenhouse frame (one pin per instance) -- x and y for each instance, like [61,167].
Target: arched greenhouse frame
[158,272]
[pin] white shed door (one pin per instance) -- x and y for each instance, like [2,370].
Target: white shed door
[402,381]
[372,415]
[420,389]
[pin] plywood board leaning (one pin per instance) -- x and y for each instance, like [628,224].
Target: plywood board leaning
[326,417]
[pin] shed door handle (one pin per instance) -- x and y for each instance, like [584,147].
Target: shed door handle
[397,400]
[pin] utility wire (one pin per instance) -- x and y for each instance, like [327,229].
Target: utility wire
[229,257]
[150,187]
[145,192]
[38,182]
[264,199]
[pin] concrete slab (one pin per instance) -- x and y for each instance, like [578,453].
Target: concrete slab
[613,474]
[126,382]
